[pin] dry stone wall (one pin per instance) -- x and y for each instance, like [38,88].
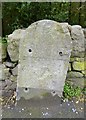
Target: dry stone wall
[76,70]
[77,65]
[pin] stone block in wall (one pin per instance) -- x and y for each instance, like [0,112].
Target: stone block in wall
[66,27]
[69,67]
[80,66]
[13,78]
[13,44]
[78,82]
[78,40]
[4,72]
[84,73]
[72,59]
[84,31]
[9,64]
[74,74]
[15,71]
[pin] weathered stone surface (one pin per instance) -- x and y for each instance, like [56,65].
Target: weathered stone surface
[9,64]
[44,55]
[13,78]
[74,74]
[84,73]
[78,41]
[4,72]
[15,71]
[13,44]
[72,59]
[84,31]
[66,28]
[69,67]
[80,66]
[80,82]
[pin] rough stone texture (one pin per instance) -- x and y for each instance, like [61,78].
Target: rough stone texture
[13,78]
[72,59]
[80,66]
[44,55]
[69,67]
[9,64]
[78,41]
[66,28]
[74,74]
[84,73]
[5,72]
[84,31]
[13,44]
[80,82]
[15,71]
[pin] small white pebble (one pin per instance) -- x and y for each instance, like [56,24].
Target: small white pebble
[63,100]
[68,104]
[81,108]
[19,111]
[1,115]
[22,109]
[47,108]
[77,102]
[66,100]
[30,113]
[8,106]
[76,112]
[43,113]
[46,113]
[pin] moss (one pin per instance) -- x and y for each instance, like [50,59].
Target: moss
[79,59]
[72,59]
[84,72]
[79,65]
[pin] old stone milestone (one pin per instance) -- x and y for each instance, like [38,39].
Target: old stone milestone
[44,54]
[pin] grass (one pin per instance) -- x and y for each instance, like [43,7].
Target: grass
[71,91]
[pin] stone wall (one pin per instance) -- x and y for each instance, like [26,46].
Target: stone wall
[77,66]
[76,71]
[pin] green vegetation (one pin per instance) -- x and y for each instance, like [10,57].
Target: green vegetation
[3,40]
[71,91]
[21,14]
